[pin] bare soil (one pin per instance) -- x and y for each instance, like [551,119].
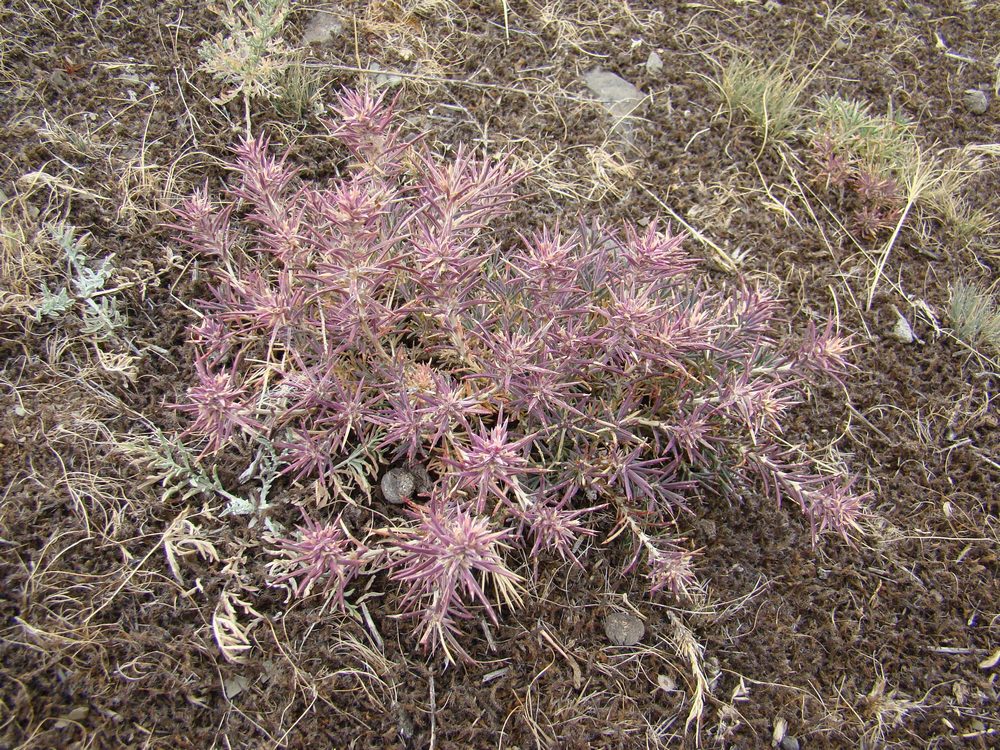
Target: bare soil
[885,644]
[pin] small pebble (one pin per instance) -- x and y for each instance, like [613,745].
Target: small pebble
[788,742]
[59,81]
[78,714]
[654,64]
[321,27]
[387,79]
[976,101]
[666,683]
[623,629]
[233,686]
[902,330]
[620,97]
[404,724]
[708,529]
[398,485]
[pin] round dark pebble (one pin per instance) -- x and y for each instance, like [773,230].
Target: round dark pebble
[398,485]
[623,629]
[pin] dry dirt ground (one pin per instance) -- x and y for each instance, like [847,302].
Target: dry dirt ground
[114,607]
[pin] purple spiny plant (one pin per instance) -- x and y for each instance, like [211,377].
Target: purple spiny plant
[219,405]
[492,465]
[448,559]
[833,168]
[582,382]
[554,526]
[823,353]
[868,190]
[323,553]
[871,221]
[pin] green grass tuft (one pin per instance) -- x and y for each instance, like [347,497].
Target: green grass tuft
[768,96]
[975,316]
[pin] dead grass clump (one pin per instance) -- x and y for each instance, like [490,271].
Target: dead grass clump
[22,263]
[611,173]
[688,648]
[883,710]
[566,31]
[144,190]
[947,199]
[417,40]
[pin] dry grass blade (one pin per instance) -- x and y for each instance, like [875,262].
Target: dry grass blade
[919,179]
[232,636]
[883,710]
[23,265]
[725,261]
[40,179]
[689,649]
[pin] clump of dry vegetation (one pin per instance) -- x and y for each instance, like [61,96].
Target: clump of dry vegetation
[242,488]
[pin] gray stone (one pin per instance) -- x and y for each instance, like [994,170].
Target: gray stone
[902,331]
[387,79]
[708,529]
[788,742]
[976,101]
[654,64]
[404,724]
[322,26]
[398,485]
[666,683]
[618,95]
[233,686]
[623,629]
[422,478]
